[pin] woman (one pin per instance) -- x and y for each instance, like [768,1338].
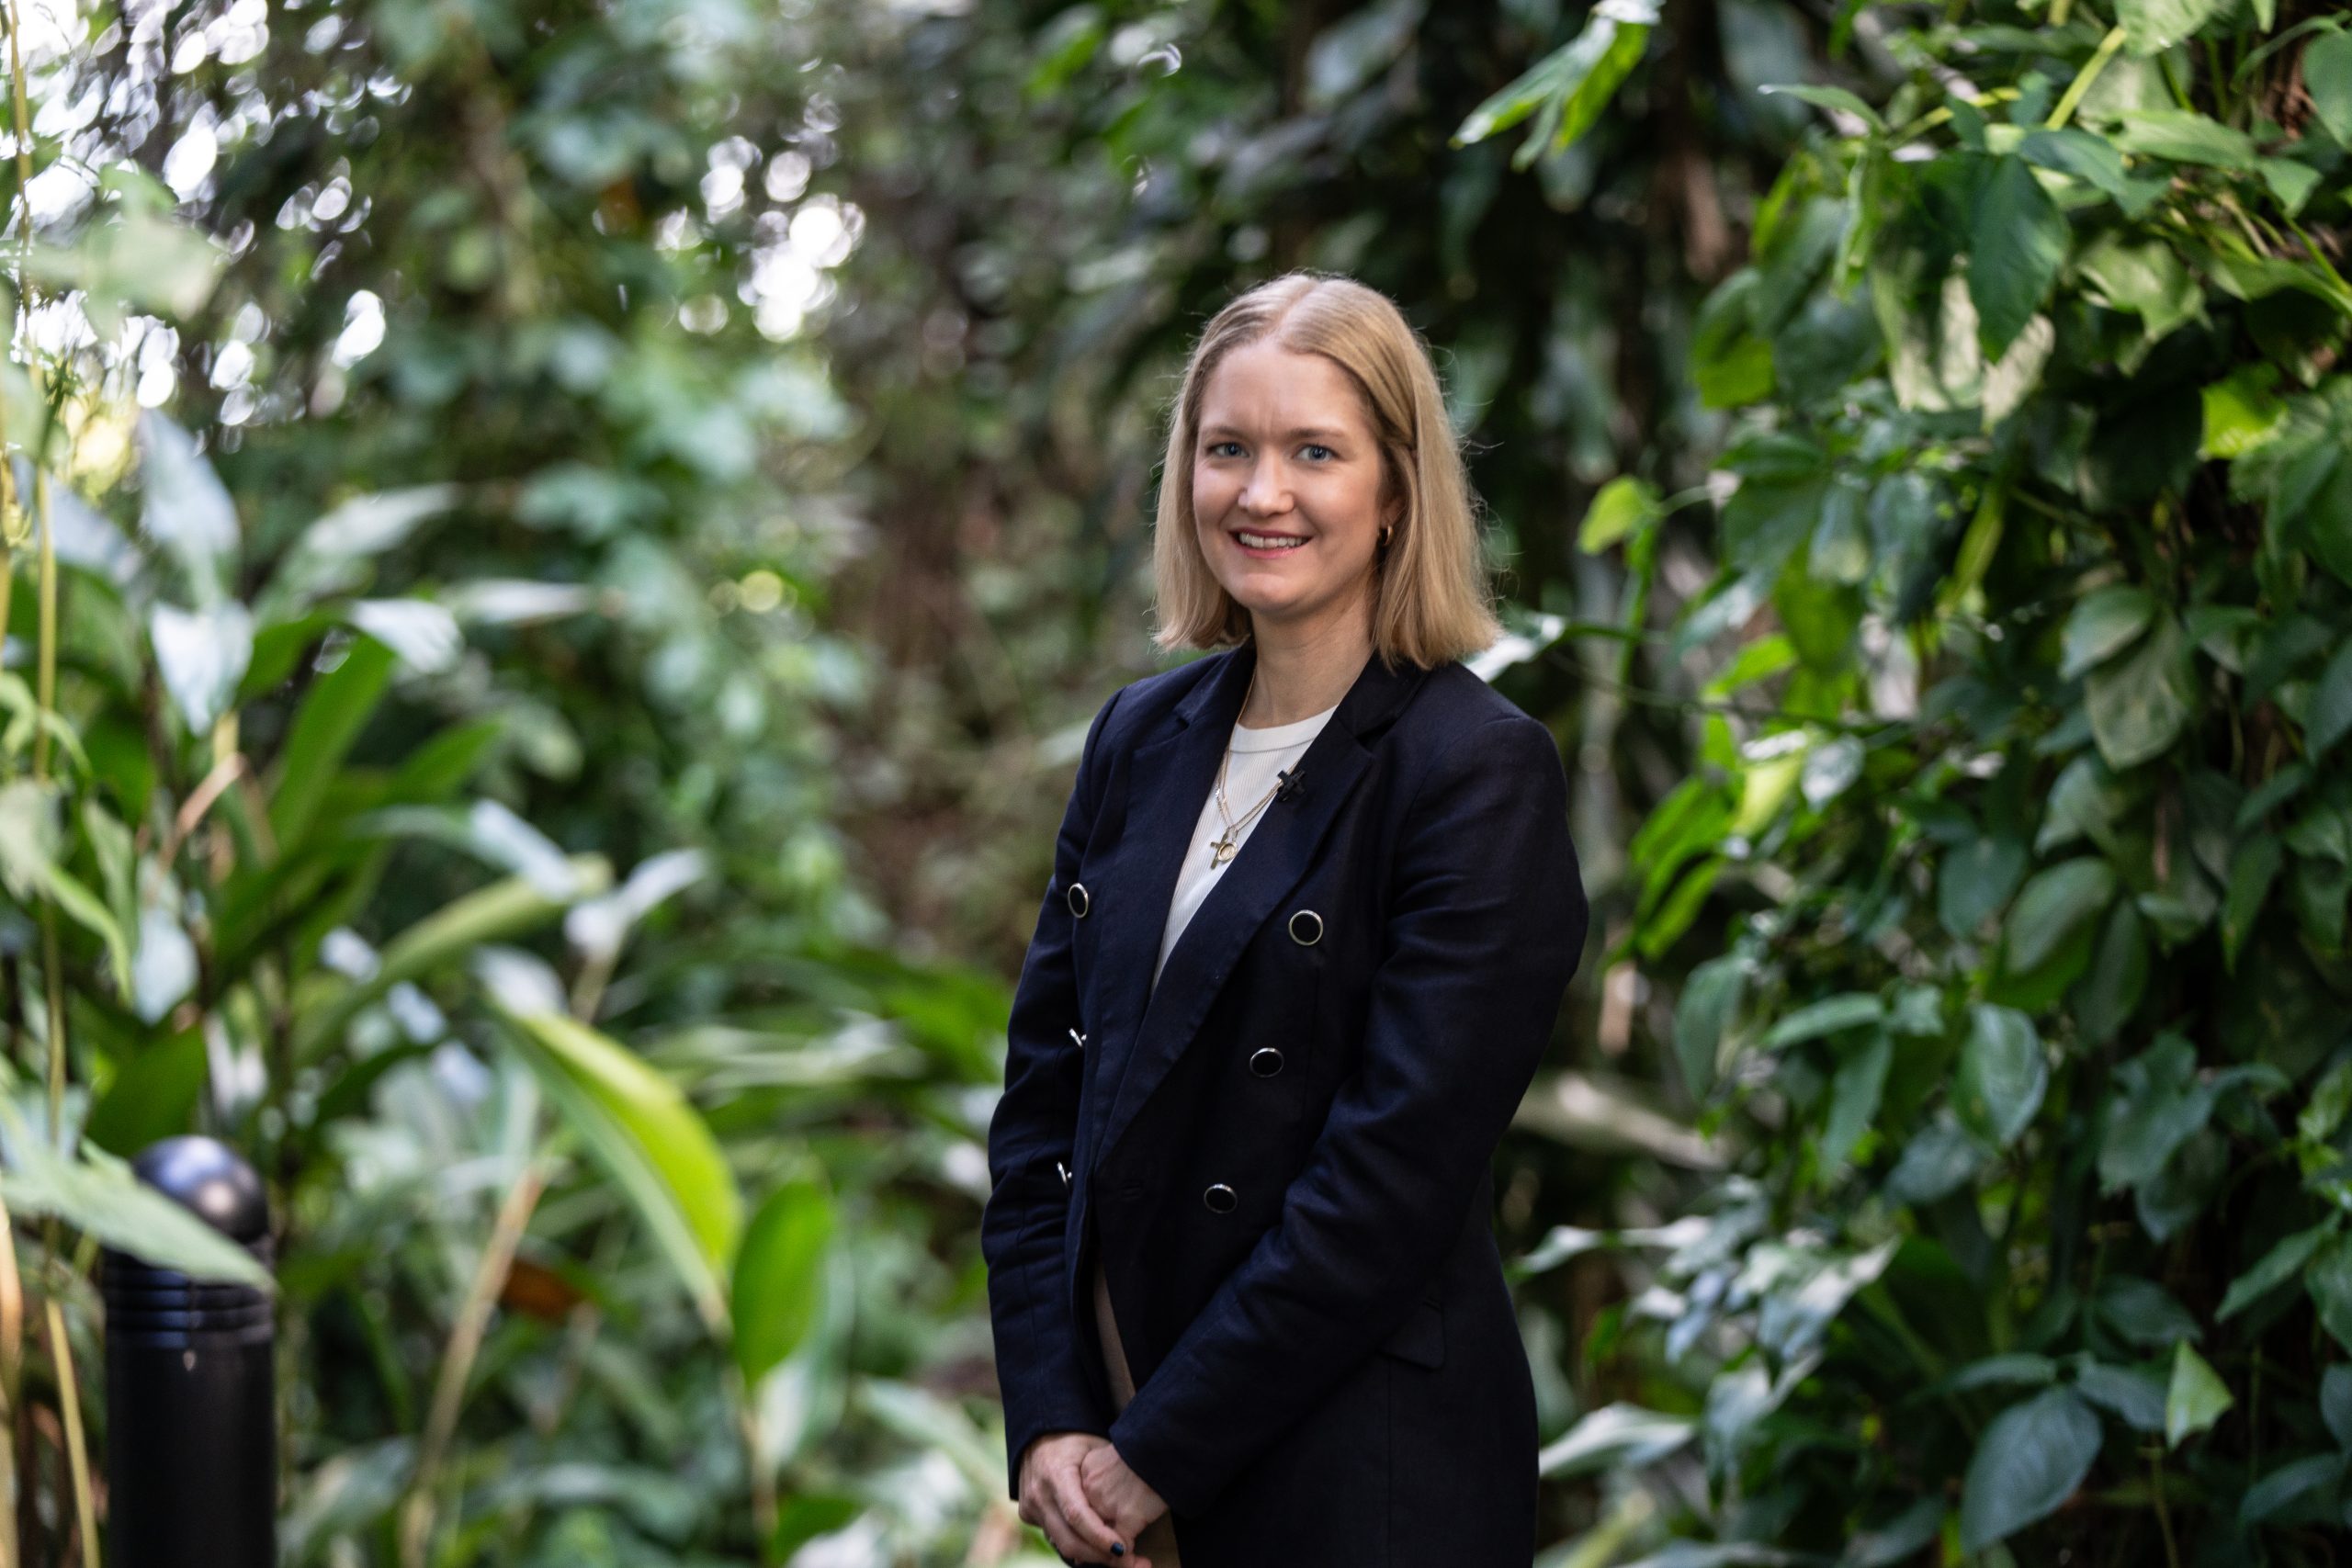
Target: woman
[1313,911]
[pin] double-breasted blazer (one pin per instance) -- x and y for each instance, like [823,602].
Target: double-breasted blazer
[1282,1150]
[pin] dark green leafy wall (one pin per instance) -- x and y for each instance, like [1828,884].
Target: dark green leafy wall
[2013,882]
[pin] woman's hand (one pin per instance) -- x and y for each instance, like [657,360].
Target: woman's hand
[1054,1498]
[1118,1494]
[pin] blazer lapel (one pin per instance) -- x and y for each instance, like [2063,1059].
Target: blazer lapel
[1168,779]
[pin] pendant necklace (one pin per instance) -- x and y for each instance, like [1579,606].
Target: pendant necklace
[1221,849]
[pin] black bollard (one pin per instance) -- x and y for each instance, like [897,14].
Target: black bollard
[191,1395]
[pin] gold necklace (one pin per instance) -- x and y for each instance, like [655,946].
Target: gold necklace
[1221,849]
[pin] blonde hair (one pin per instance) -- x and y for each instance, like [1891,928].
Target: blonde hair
[1432,601]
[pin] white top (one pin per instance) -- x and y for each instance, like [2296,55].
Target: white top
[1258,755]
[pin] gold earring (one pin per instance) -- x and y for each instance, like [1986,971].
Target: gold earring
[1383,535]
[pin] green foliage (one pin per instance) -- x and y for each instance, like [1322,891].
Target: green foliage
[2041,476]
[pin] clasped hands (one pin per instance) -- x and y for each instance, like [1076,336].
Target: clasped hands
[1076,1488]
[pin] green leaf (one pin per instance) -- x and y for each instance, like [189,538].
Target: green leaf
[2157,1105]
[779,1276]
[1975,880]
[99,1195]
[2003,1074]
[2197,1398]
[333,711]
[2335,1404]
[2139,704]
[2052,906]
[2028,1462]
[2329,718]
[1855,1094]
[2143,1312]
[2151,26]
[1625,505]
[639,1127]
[1829,98]
[2286,1484]
[2330,1284]
[1703,1019]
[2252,871]
[2184,137]
[503,910]
[2018,240]
[2132,1396]
[2091,159]
[1615,1436]
[2242,413]
[1571,85]
[2280,1264]
[1828,1016]
[2150,281]
[2327,77]
[2103,624]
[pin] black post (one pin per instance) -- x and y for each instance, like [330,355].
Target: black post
[191,1397]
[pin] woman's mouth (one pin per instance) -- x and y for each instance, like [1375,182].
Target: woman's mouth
[1266,545]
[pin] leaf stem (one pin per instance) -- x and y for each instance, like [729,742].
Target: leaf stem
[2076,90]
[458,1361]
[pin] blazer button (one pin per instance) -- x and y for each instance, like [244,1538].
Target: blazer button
[1265,1061]
[1076,1034]
[1076,900]
[1219,1198]
[1065,1171]
[1306,928]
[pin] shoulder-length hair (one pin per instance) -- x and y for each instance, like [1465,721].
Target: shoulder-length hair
[1433,599]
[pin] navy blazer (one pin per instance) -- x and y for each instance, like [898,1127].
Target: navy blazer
[1283,1149]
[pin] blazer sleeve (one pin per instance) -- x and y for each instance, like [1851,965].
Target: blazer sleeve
[1033,1127]
[1486,927]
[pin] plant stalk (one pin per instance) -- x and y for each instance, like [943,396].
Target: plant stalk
[458,1361]
[77,1447]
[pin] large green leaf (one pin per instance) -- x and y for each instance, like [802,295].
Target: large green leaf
[2104,623]
[2154,26]
[2017,242]
[335,709]
[2028,1462]
[637,1125]
[2329,1281]
[2055,904]
[779,1276]
[2327,77]
[2139,703]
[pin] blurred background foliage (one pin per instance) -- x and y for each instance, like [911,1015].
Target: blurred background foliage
[558,559]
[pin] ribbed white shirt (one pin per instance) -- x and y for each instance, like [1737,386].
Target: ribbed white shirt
[1258,755]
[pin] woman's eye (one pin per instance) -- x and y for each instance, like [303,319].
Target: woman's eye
[1314,447]
[1215,447]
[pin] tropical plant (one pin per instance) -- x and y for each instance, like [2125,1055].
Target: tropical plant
[2008,906]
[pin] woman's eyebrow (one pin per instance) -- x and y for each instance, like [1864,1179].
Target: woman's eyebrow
[1320,433]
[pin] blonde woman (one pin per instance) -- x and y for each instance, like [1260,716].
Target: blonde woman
[1313,911]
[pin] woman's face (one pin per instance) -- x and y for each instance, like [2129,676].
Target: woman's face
[1284,452]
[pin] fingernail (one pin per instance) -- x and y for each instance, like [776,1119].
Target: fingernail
[1117,1550]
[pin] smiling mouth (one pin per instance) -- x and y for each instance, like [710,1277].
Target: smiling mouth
[1250,539]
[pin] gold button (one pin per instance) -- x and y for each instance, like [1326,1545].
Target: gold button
[1076,900]
[1309,933]
[1219,1198]
[1265,1061]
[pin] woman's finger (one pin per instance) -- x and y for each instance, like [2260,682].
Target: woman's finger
[1070,1491]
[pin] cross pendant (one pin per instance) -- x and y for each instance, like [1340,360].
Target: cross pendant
[1220,851]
